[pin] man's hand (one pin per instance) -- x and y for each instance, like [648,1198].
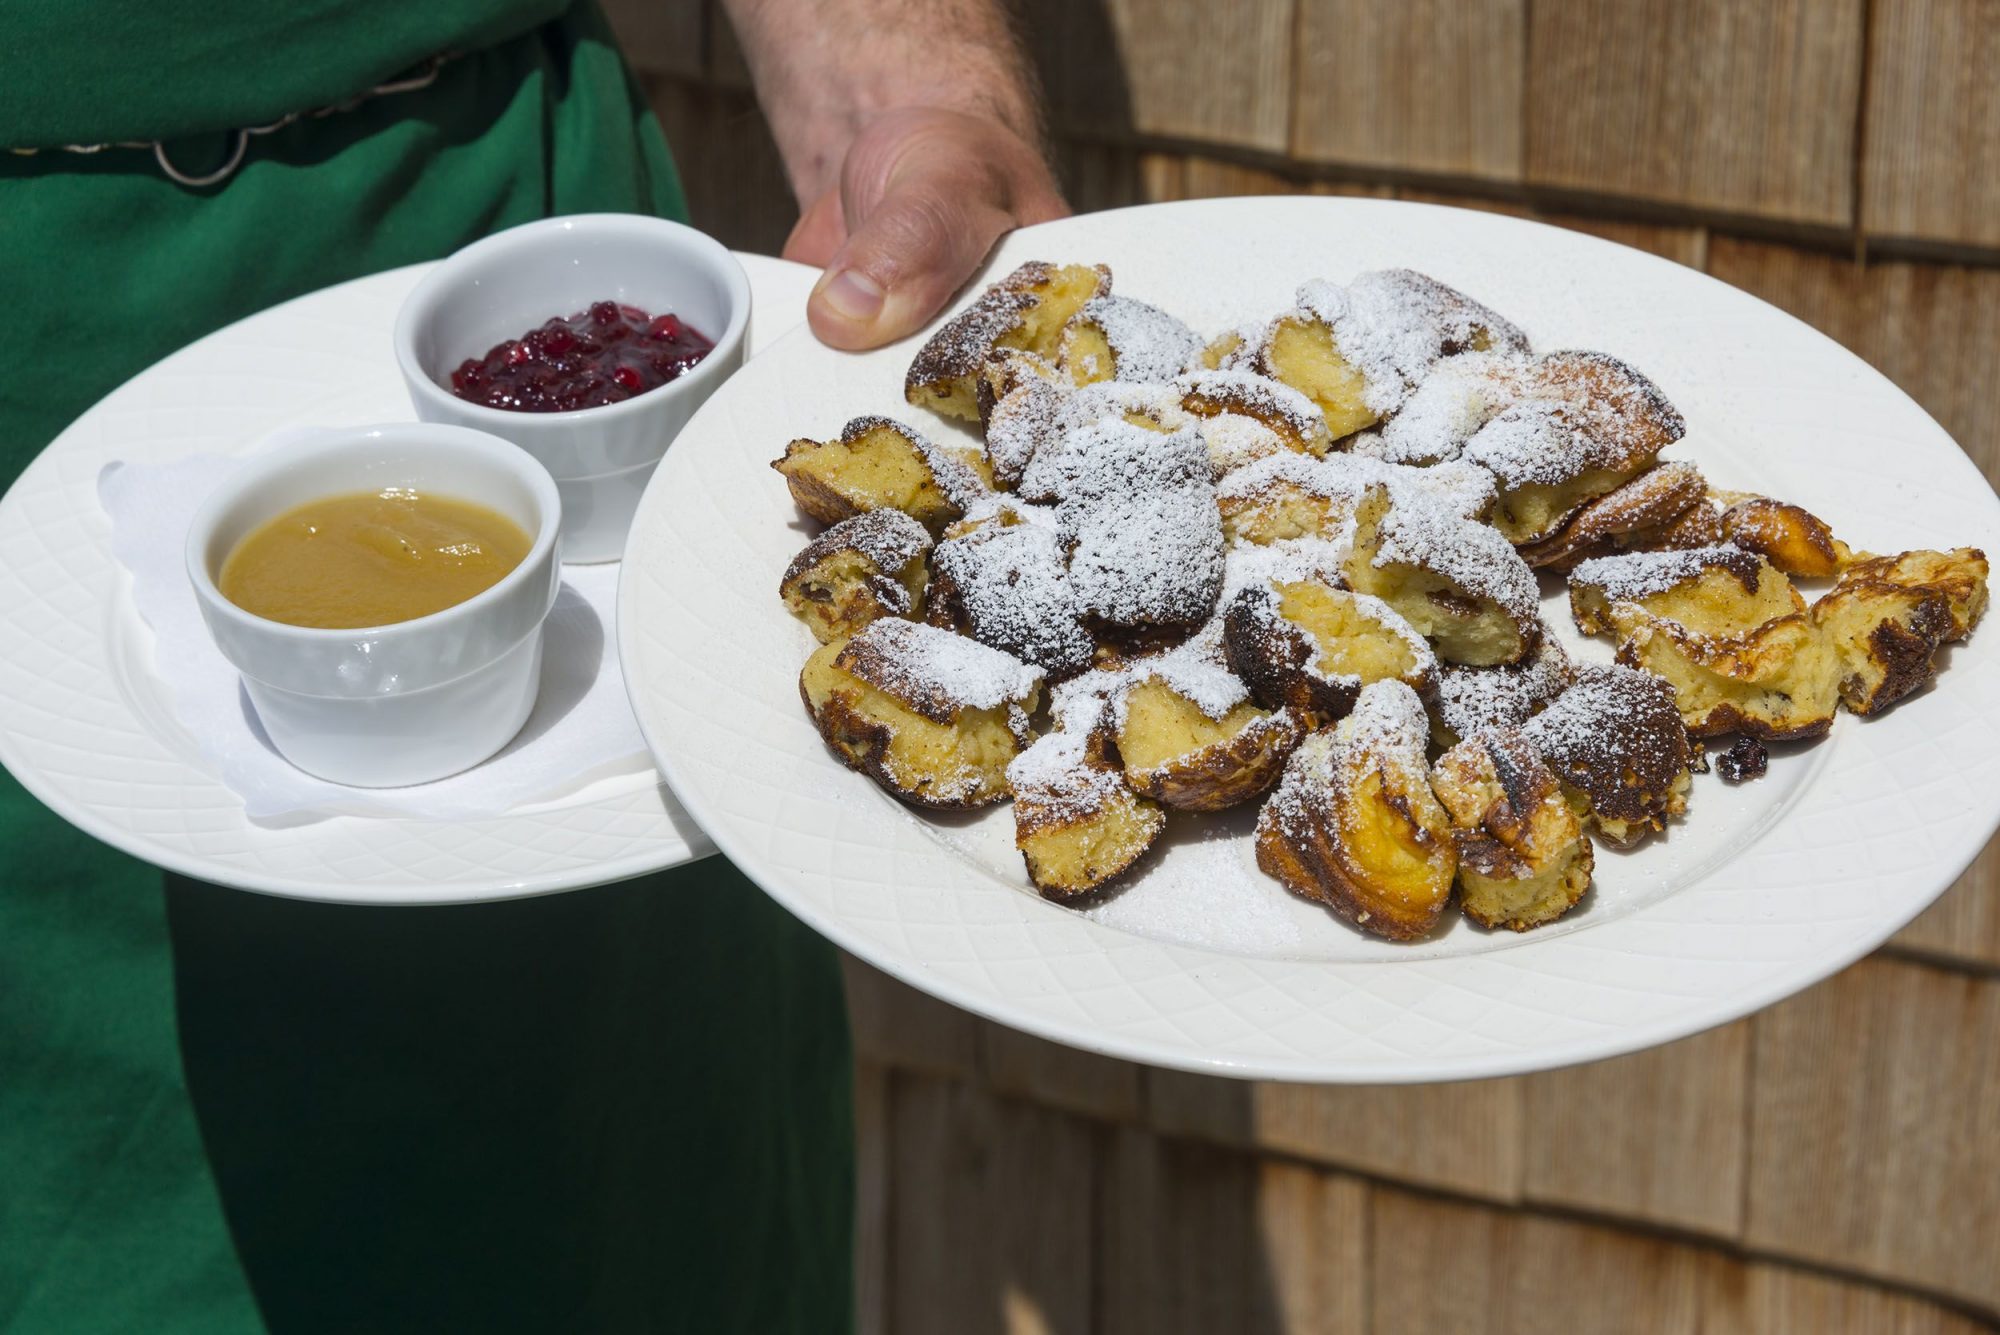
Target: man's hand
[923,195]
[909,130]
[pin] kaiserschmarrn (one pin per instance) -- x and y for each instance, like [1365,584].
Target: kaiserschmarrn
[1146,572]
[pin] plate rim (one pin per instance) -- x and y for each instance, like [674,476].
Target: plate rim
[1716,1010]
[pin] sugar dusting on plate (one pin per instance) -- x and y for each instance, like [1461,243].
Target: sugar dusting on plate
[1202,888]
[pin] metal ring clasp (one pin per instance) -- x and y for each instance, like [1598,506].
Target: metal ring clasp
[222,173]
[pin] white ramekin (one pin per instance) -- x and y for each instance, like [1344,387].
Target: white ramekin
[406,703]
[509,283]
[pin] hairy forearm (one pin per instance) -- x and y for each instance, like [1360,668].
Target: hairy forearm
[824,68]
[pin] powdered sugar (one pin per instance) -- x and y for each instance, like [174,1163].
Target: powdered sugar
[998,506]
[1616,735]
[1272,402]
[1085,703]
[1234,441]
[1138,510]
[1634,575]
[1387,732]
[1147,344]
[1392,325]
[1025,419]
[1205,891]
[1119,398]
[1611,400]
[1452,403]
[1538,442]
[1058,774]
[962,345]
[1389,722]
[1198,671]
[1315,477]
[1461,489]
[1289,562]
[1420,530]
[1078,413]
[1249,339]
[935,672]
[1305,786]
[1471,700]
[887,539]
[1008,585]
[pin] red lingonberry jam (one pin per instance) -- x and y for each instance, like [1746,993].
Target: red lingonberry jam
[607,353]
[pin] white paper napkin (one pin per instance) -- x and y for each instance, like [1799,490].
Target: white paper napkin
[582,729]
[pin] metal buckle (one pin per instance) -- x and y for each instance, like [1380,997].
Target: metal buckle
[220,174]
[426,74]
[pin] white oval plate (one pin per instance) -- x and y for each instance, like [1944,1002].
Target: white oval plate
[86,726]
[1203,964]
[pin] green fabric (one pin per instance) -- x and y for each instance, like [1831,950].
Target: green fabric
[620,1109]
[116,70]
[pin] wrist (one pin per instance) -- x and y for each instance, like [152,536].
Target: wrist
[872,58]
[814,133]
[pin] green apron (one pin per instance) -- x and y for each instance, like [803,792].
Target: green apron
[620,1109]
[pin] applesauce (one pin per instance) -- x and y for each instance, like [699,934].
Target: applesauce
[371,559]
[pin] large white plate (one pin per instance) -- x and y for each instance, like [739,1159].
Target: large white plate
[1762,890]
[86,725]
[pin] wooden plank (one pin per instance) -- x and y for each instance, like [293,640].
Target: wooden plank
[1055,1076]
[659,36]
[1684,245]
[992,1212]
[871,1199]
[724,59]
[1074,49]
[1438,1266]
[1315,1236]
[1965,923]
[1214,178]
[1875,1128]
[1428,85]
[897,1026]
[1934,329]
[1198,1239]
[1213,73]
[1097,176]
[736,186]
[1171,176]
[1210,73]
[1657,1136]
[1443,1266]
[1930,164]
[1205,1107]
[1713,104]
[1512,208]
[1783,1301]
[1462,1137]
[1432,1266]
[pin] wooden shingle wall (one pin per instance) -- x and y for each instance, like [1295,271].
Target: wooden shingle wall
[1830,1165]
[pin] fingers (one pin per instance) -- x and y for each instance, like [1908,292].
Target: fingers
[925,195]
[904,264]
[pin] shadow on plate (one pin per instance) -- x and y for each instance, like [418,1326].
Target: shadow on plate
[572,657]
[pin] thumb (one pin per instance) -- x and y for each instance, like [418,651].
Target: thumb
[918,245]
[820,231]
